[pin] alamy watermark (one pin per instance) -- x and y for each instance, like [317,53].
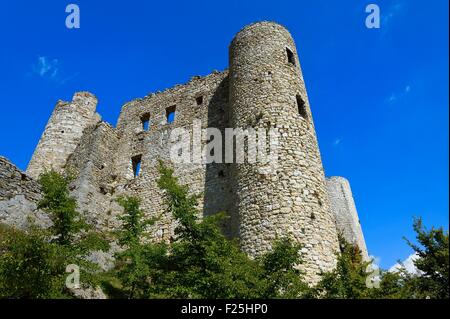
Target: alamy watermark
[230,145]
[73,19]
[73,280]
[373,276]
[373,19]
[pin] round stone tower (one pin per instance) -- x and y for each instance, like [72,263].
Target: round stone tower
[63,133]
[267,91]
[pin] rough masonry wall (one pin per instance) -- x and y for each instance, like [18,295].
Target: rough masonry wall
[344,210]
[96,180]
[266,86]
[209,180]
[19,195]
[63,133]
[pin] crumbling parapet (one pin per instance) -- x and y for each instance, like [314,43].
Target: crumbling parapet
[63,132]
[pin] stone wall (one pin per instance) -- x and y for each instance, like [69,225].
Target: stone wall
[344,210]
[264,89]
[268,91]
[209,180]
[96,179]
[19,195]
[63,132]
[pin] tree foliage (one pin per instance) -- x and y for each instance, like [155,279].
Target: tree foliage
[33,261]
[433,262]
[30,266]
[348,279]
[198,261]
[132,264]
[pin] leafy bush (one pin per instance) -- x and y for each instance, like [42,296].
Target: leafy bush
[33,262]
[200,262]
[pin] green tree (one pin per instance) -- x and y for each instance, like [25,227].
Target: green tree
[280,271]
[348,279]
[133,263]
[433,262]
[29,265]
[202,262]
[33,262]
[61,208]
[199,262]
[393,285]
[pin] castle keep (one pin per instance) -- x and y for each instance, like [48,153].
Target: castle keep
[263,88]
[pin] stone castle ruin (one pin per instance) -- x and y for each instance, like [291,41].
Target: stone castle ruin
[263,88]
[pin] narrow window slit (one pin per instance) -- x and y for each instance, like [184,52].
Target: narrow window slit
[145,120]
[301,107]
[290,56]
[170,114]
[136,163]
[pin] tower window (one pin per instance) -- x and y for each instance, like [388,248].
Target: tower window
[290,56]
[145,120]
[301,107]
[170,114]
[199,100]
[136,163]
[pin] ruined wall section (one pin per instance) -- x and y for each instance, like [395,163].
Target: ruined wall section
[344,209]
[94,187]
[264,88]
[63,132]
[15,182]
[154,144]
[19,195]
[267,90]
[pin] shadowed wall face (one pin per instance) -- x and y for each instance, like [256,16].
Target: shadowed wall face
[196,105]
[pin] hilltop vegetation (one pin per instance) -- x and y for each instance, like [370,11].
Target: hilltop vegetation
[199,262]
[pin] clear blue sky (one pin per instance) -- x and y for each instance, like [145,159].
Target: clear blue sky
[379,97]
